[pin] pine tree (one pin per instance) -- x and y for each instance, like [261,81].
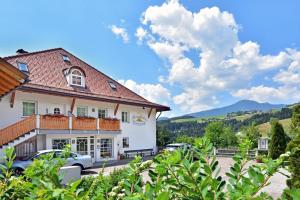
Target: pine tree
[278,140]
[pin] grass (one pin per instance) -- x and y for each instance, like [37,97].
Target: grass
[243,117]
[198,119]
[265,128]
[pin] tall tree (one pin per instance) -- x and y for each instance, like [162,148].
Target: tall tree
[295,122]
[278,140]
[252,134]
[213,132]
[294,148]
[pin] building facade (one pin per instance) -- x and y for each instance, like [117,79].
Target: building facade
[67,101]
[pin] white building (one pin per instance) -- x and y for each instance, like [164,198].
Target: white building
[67,101]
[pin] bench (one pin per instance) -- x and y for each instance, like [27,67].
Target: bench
[139,152]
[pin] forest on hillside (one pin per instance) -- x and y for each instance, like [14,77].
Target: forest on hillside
[168,130]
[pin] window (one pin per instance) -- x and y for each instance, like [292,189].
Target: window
[106,148]
[66,58]
[102,113]
[125,117]
[56,111]
[60,143]
[82,111]
[23,67]
[77,78]
[29,108]
[92,146]
[112,85]
[82,145]
[125,142]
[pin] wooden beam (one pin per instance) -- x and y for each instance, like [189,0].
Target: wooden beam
[2,87]
[12,71]
[150,111]
[8,78]
[12,99]
[73,105]
[116,109]
[7,84]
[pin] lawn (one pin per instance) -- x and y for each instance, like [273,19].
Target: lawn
[266,127]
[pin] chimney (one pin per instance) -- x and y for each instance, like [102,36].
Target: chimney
[21,51]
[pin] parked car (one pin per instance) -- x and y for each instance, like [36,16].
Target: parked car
[186,147]
[83,161]
[174,146]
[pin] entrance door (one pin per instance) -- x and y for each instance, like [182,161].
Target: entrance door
[106,148]
[82,145]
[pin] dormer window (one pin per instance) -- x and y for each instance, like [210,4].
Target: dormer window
[66,58]
[77,78]
[23,67]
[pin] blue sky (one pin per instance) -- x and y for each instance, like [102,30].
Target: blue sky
[247,41]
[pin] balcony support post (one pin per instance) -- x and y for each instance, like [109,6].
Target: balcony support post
[38,117]
[70,122]
[116,109]
[97,121]
[149,114]
[12,99]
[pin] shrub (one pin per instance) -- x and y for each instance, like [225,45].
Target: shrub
[278,140]
[174,175]
[294,163]
[252,133]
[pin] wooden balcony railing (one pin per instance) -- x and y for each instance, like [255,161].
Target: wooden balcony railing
[18,129]
[54,122]
[84,123]
[109,124]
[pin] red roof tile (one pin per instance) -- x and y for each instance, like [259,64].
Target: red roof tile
[46,74]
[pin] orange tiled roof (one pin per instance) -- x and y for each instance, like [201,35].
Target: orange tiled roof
[46,75]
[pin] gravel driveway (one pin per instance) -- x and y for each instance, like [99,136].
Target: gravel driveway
[278,181]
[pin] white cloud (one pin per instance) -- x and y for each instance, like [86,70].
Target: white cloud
[263,94]
[226,64]
[153,92]
[120,32]
[140,33]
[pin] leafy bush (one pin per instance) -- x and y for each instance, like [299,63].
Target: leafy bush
[294,163]
[278,140]
[185,139]
[174,175]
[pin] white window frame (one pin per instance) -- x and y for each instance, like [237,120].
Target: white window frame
[67,139]
[35,108]
[127,139]
[106,112]
[77,76]
[127,119]
[86,109]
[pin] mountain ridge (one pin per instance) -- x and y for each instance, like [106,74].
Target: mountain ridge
[242,105]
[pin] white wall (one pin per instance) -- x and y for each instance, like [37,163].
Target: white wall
[140,136]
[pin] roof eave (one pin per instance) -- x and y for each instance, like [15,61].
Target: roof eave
[159,108]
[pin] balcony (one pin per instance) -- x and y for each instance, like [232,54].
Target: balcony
[58,122]
[109,124]
[84,123]
[61,122]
